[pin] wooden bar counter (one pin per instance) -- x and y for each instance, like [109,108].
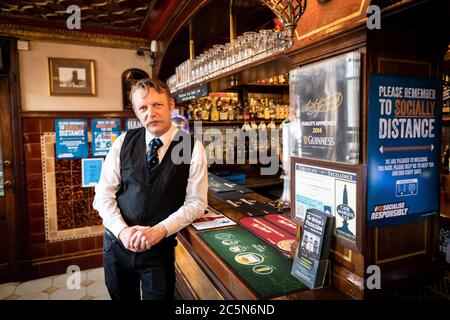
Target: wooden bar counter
[202,274]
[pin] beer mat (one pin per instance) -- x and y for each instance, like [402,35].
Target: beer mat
[218,185]
[279,238]
[212,219]
[282,221]
[265,270]
[247,204]
[249,207]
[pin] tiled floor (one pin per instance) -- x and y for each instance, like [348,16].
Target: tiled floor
[92,287]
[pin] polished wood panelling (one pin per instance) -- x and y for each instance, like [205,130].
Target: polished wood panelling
[196,282]
[324,20]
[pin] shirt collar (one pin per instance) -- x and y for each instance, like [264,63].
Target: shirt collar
[166,138]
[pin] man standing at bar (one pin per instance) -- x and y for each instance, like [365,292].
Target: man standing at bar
[148,191]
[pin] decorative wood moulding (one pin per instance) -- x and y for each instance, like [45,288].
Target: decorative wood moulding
[71,36]
[289,11]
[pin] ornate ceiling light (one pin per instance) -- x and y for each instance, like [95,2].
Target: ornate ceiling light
[289,12]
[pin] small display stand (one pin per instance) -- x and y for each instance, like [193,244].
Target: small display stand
[311,264]
[325,282]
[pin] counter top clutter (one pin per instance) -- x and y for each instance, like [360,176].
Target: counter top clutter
[243,245]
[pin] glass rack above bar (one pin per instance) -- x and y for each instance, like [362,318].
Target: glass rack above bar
[220,60]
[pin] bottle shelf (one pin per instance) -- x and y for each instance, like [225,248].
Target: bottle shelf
[233,123]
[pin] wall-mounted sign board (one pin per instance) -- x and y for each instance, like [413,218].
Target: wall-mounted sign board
[326,99]
[403,149]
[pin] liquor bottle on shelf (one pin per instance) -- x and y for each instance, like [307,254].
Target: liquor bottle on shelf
[446,159]
[259,109]
[205,110]
[246,111]
[446,94]
[214,113]
[267,111]
[231,110]
[238,112]
[223,111]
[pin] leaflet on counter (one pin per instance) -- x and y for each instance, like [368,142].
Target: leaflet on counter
[212,219]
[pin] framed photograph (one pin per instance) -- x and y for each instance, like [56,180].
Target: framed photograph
[335,189]
[72,77]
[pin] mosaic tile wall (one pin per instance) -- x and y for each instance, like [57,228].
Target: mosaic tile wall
[68,206]
[68,247]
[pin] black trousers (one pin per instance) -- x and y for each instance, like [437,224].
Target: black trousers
[127,272]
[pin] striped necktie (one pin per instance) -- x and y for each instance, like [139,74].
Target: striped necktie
[152,155]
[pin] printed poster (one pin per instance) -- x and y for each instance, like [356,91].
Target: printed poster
[71,139]
[132,123]
[403,149]
[330,191]
[104,132]
[90,172]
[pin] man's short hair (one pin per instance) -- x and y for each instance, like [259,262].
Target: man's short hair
[148,83]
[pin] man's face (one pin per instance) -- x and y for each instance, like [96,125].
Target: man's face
[154,110]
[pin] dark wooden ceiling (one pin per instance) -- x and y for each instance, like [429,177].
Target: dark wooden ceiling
[139,21]
[134,18]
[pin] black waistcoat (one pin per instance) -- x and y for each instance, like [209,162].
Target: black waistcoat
[147,197]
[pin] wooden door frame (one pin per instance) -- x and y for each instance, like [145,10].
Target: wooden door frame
[17,221]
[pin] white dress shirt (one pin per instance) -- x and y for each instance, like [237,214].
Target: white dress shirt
[195,202]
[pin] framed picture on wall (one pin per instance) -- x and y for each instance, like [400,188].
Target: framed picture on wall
[71,77]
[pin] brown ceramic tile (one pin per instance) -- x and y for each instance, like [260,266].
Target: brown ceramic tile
[34,181]
[87,243]
[79,193]
[80,207]
[76,179]
[35,196]
[36,211]
[70,246]
[38,250]
[63,194]
[96,260]
[31,126]
[76,165]
[31,138]
[37,226]
[81,219]
[33,166]
[37,238]
[47,125]
[47,269]
[90,206]
[34,273]
[94,219]
[64,208]
[99,242]
[62,265]
[65,222]
[60,179]
[62,166]
[32,150]
[82,262]
[91,192]
[54,248]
